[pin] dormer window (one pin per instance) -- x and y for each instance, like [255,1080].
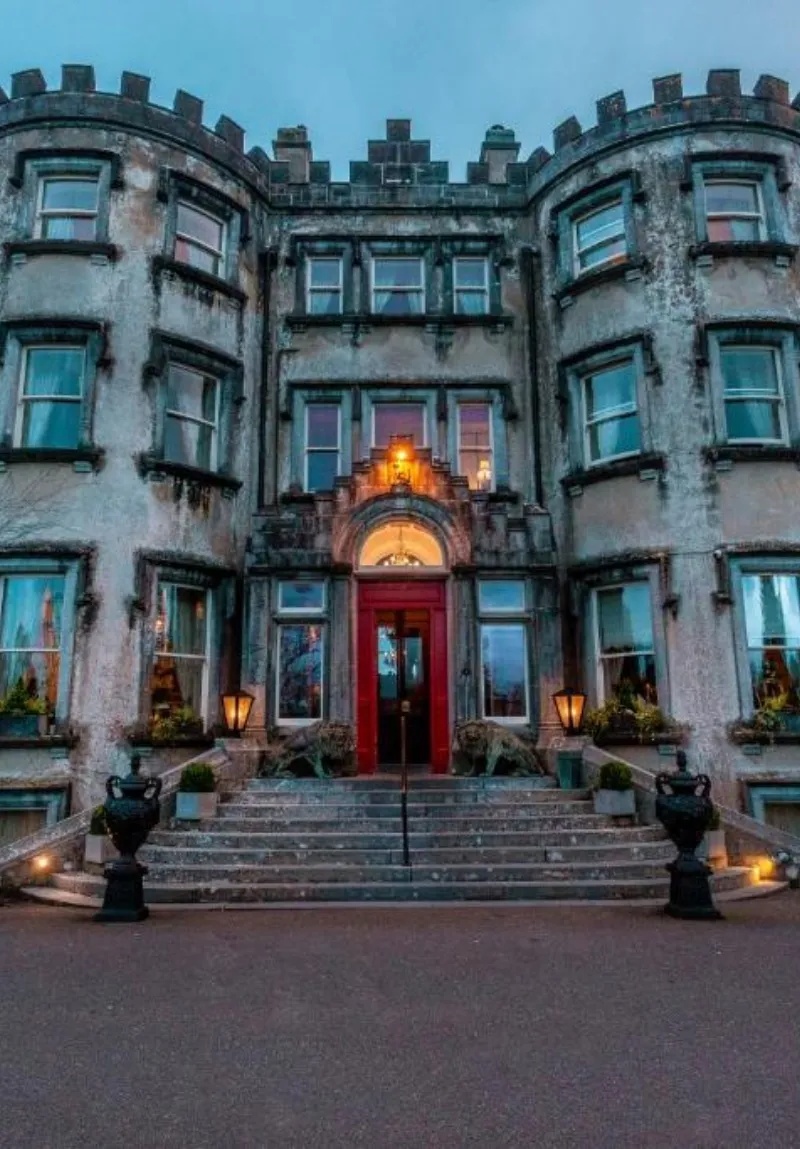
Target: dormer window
[67,207]
[734,211]
[398,286]
[200,239]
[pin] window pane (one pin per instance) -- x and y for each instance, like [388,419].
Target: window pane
[399,419]
[323,469]
[601,225]
[177,684]
[604,253]
[610,390]
[749,369]
[181,619]
[324,272]
[753,420]
[471,302]
[470,272]
[32,607]
[501,594]
[503,659]
[191,393]
[398,302]
[195,256]
[398,273]
[66,195]
[614,437]
[69,227]
[199,226]
[624,618]
[476,467]
[630,676]
[54,371]
[300,672]
[733,230]
[772,610]
[301,596]
[473,424]
[48,424]
[731,198]
[323,425]
[324,302]
[188,442]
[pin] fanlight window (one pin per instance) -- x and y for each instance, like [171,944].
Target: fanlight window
[401,544]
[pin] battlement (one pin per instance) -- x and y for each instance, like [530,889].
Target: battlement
[398,171]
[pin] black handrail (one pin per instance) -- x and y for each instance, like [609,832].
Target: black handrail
[404,708]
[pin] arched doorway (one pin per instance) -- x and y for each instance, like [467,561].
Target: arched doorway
[402,686]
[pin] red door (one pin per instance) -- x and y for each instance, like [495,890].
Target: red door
[402,657]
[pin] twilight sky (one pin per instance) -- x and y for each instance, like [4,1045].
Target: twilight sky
[454,66]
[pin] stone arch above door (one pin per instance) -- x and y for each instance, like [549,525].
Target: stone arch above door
[416,512]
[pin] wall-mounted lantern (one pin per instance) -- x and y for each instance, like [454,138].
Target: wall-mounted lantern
[570,705]
[236,707]
[401,456]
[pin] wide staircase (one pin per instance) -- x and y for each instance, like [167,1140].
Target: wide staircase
[342,841]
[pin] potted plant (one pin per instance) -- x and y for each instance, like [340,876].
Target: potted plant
[196,798]
[97,846]
[180,724]
[22,713]
[712,849]
[627,717]
[614,794]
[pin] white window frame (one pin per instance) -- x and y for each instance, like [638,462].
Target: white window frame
[295,620]
[749,215]
[393,288]
[23,399]
[504,620]
[43,213]
[578,251]
[301,610]
[170,413]
[59,650]
[761,574]
[311,290]
[489,448]
[600,658]
[755,396]
[307,451]
[218,254]
[631,408]
[401,403]
[470,290]
[204,658]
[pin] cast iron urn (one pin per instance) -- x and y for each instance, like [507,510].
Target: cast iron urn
[684,809]
[132,810]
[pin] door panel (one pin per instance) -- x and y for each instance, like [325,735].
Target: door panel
[403,654]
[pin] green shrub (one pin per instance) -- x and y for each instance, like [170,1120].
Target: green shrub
[615,776]
[98,825]
[20,700]
[197,778]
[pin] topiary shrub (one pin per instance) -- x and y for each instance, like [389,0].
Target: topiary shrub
[323,750]
[615,776]
[197,778]
[485,748]
[97,824]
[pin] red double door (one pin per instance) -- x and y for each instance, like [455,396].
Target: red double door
[402,675]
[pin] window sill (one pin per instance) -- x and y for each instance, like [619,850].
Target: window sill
[84,247]
[299,320]
[742,736]
[203,741]
[39,742]
[159,469]
[645,466]
[204,279]
[760,249]
[631,738]
[80,458]
[631,268]
[752,453]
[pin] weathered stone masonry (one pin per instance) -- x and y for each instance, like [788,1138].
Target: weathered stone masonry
[690,513]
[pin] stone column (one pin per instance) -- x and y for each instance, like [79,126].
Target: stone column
[341,669]
[465,654]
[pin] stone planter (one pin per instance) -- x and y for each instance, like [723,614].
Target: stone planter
[23,725]
[98,849]
[713,850]
[190,807]
[615,803]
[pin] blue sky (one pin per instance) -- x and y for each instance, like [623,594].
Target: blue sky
[454,66]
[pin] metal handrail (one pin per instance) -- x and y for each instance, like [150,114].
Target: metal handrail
[405,706]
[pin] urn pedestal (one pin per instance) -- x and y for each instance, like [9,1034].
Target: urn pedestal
[132,810]
[684,808]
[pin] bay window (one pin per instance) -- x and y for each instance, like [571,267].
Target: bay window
[191,418]
[31,611]
[179,677]
[398,285]
[50,407]
[753,394]
[67,207]
[734,210]
[199,238]
[611,416]
[503,634]
[624,644]
[599,237]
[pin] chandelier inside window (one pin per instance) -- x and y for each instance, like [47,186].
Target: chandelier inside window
[402,557]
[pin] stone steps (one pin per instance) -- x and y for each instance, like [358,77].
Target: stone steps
[430,825]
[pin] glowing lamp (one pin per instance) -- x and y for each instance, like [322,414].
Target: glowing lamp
[570,705]
[236,708]
[42,862]
[401,455]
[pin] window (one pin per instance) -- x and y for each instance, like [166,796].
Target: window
[611,418]
[626,664]
[471,286]
[504,650]
[398,287]
[301,596]
[191,418]
[323,442]
[475,452]
[391,419]
[599,237]
[772,624]
[734,210]
[199,238]
[67,207]
[300,670]
[31,610]
[753,393]
[50,397]
[324,286]
[179,679]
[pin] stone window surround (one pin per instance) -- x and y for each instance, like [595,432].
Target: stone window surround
[72,568]
[219,582]
[17,334]
[625,186]
[165,349]
[174,186]
[782,337]
[54,801]
[497,401]
[586,580]
[756,562]
[421,394]
[303,397]
[572,372]
[499,616]
[758,795]
[279,616]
